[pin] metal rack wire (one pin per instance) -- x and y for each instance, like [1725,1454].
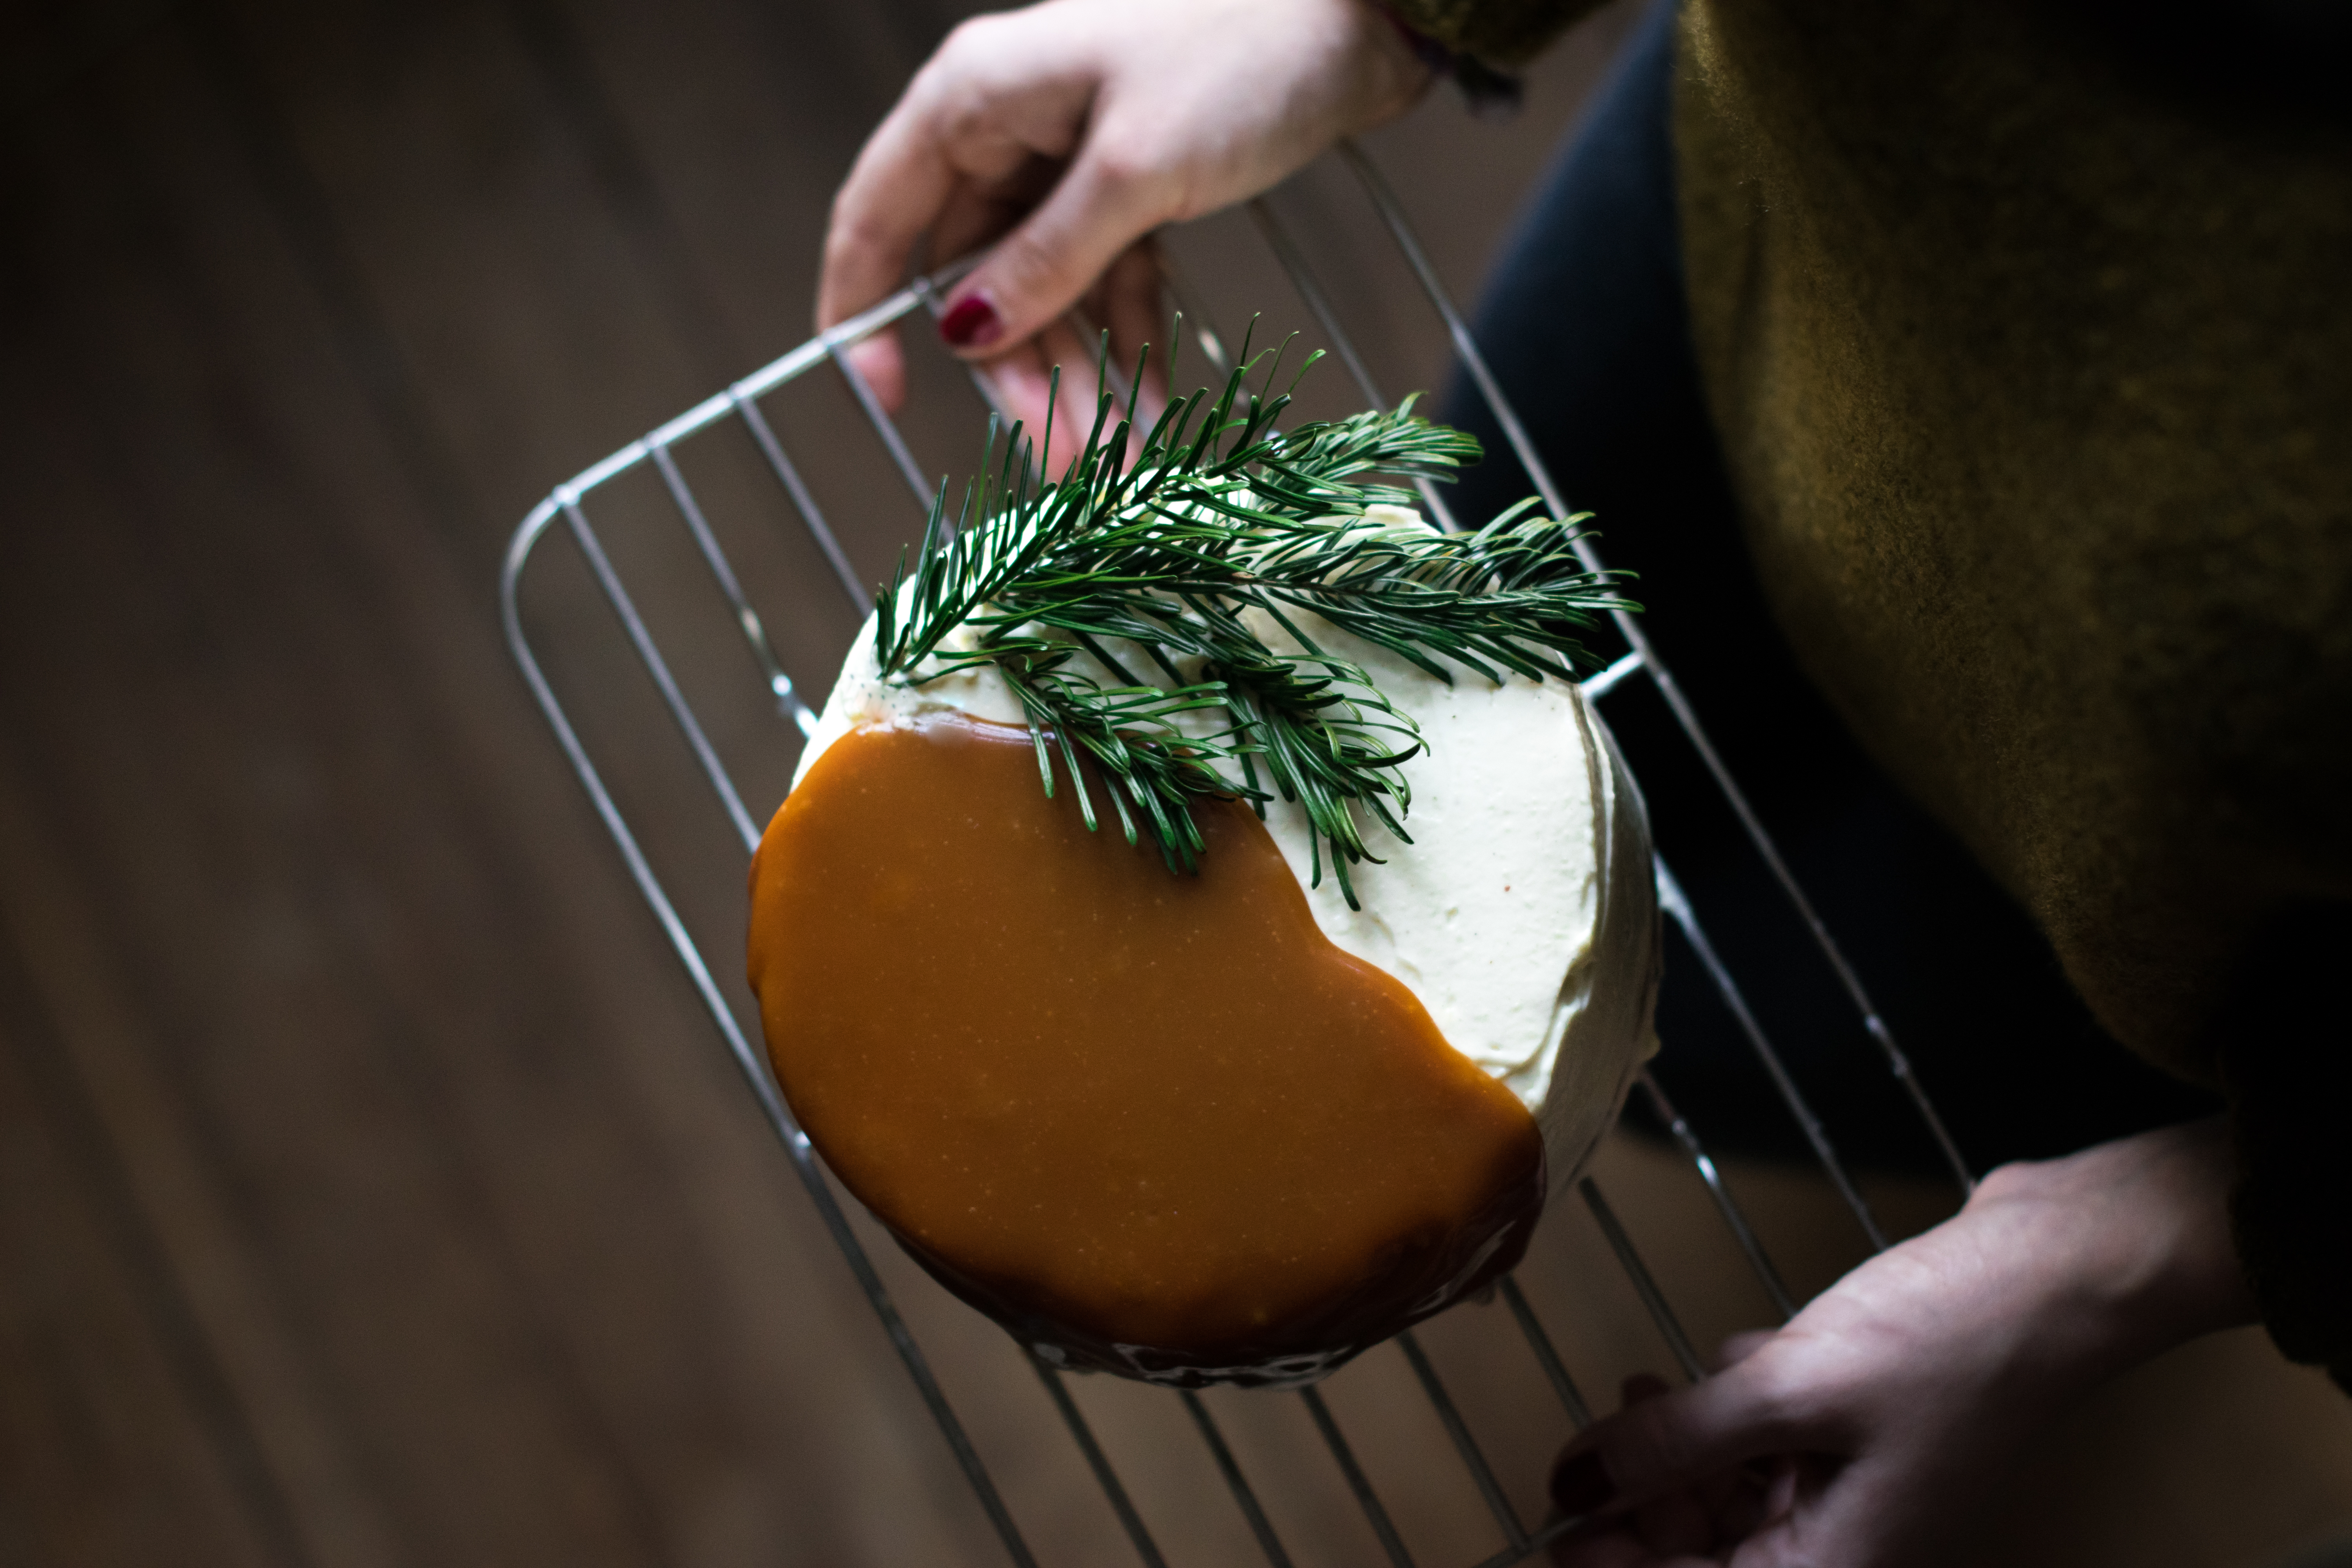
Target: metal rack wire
[743,403]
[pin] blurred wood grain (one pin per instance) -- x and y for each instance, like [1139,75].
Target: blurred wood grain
[372,1189]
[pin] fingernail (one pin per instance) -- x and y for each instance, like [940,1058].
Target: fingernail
[1580,1484]
[972,322]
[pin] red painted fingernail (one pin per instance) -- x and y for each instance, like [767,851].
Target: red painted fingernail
[1580,1484]
[970,322]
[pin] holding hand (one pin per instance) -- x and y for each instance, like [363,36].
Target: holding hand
[1861,1434]
[1079,126]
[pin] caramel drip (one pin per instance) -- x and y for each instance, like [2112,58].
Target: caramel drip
[1157,1122]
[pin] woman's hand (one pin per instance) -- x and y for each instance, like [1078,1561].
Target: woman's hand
[1864,1432]
[1081,126]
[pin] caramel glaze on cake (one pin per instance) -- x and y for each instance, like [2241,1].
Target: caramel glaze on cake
[1153,1124]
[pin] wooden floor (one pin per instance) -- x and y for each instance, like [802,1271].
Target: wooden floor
[371,1191]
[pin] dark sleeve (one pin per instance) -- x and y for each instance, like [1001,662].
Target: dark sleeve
[2285,1048]
[1498,32]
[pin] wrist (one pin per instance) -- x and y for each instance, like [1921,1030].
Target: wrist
[2126,1246]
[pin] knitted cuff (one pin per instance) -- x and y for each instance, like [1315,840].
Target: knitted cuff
[1489,93]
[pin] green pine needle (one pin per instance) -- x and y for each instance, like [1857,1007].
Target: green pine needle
[1217,513]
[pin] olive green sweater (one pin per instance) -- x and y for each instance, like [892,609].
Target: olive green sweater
[2030,345]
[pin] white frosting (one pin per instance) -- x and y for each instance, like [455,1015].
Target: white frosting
[1523,914]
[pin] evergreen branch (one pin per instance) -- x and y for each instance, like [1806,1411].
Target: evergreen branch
[1211,541]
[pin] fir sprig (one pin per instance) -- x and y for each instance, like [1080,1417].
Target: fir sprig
[1218,514]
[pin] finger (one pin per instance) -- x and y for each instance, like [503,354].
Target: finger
[896,188]
[1107,201]
[1023,382]
[1005,384]
[1716,1492]
[970,219]
[1788,1478]
[883,362]
[1677,1524]
[1658,1444]
[1022,386]
[1127,301]
[1611,1546]
[1822,1510]
[967,117]
[1580,1485]
[1742,1510]
[978,211]
[1740,1346]
[952,128]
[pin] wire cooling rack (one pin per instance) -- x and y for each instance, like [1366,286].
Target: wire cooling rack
[747,403]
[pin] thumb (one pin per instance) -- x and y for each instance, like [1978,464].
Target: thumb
[1108,200]
[1677,1440]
